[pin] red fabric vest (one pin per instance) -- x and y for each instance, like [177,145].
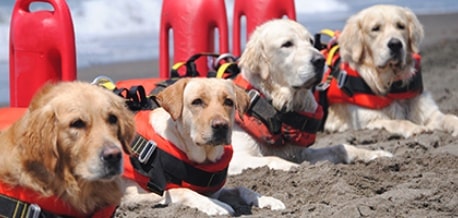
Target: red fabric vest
[261,133]
[147,131]
[51,204]
[335,95]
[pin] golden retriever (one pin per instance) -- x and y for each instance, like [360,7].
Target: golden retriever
[379,42]
[68,147]
[197,116]
[281,63]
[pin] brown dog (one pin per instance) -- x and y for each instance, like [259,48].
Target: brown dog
[64,156]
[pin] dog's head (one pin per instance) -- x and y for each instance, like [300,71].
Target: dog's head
[280,58]
[381,39]
[76,132]
[204,108]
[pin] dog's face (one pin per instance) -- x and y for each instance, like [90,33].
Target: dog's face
[205,108]
[282,51]
[79,130]
[382,37]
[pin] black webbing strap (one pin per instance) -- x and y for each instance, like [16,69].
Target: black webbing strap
[416,83]
[301,122]
[162,168]
[13,208]
[264,111]
[190,64]
[273,119]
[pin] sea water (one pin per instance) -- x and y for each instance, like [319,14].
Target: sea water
[109,31]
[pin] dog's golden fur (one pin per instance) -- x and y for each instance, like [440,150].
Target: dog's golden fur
[379,42]
[57,148]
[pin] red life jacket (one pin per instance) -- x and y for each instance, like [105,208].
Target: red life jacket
[48,205]
[361,95]
[159,165]
[271,127]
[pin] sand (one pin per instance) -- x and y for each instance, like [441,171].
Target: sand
[421,180]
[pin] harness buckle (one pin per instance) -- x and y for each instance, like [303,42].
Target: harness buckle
[34,211]
[341,78]
[147,151]
[322,86]
[254,96]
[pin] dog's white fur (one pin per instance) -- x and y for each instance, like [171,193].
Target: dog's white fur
[278,61]
[364,45]
[189,109]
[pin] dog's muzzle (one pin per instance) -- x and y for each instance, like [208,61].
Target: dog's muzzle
[220,129]
[395,46]
[111,157]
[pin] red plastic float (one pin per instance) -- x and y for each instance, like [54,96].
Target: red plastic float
[42,48]
[257,12]
[193,23]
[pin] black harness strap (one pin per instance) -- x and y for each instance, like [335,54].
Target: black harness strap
[13,208]
[162,168]
[273,119]
[303,123]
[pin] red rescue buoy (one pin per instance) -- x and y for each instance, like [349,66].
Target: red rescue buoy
[42,48]
[193,24]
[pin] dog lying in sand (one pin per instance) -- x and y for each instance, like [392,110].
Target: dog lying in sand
[64,156]
[279,67]
[381,85]
[190,137]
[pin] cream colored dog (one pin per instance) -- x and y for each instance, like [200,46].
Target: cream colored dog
[197,116]
[379,42]
[281,63]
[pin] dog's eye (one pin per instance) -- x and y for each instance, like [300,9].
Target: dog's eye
[112,119]
[78,124]
[400,26]
[228,102]
[312,42]
[376,28]
[197,102]
[287,44]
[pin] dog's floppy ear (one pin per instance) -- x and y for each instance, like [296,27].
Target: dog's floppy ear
[254,58]
[126,125]
[416,32]
[171,98]
[242,101]
[351,40]
[40,139]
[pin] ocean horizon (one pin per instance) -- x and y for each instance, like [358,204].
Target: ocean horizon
[111,31]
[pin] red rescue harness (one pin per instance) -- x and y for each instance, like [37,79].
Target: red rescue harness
[342,90]
[269,126]
[159,165]
[24,198]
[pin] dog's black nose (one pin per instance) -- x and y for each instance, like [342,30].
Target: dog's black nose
[111,154]
[220,129]
[395,45]
[219,124]
[318,62]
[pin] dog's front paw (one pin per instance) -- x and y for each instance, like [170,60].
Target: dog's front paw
[451,124]
[413,131]
[378,154]
[270,202]
[214,209]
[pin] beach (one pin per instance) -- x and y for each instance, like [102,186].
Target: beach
[419,181]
